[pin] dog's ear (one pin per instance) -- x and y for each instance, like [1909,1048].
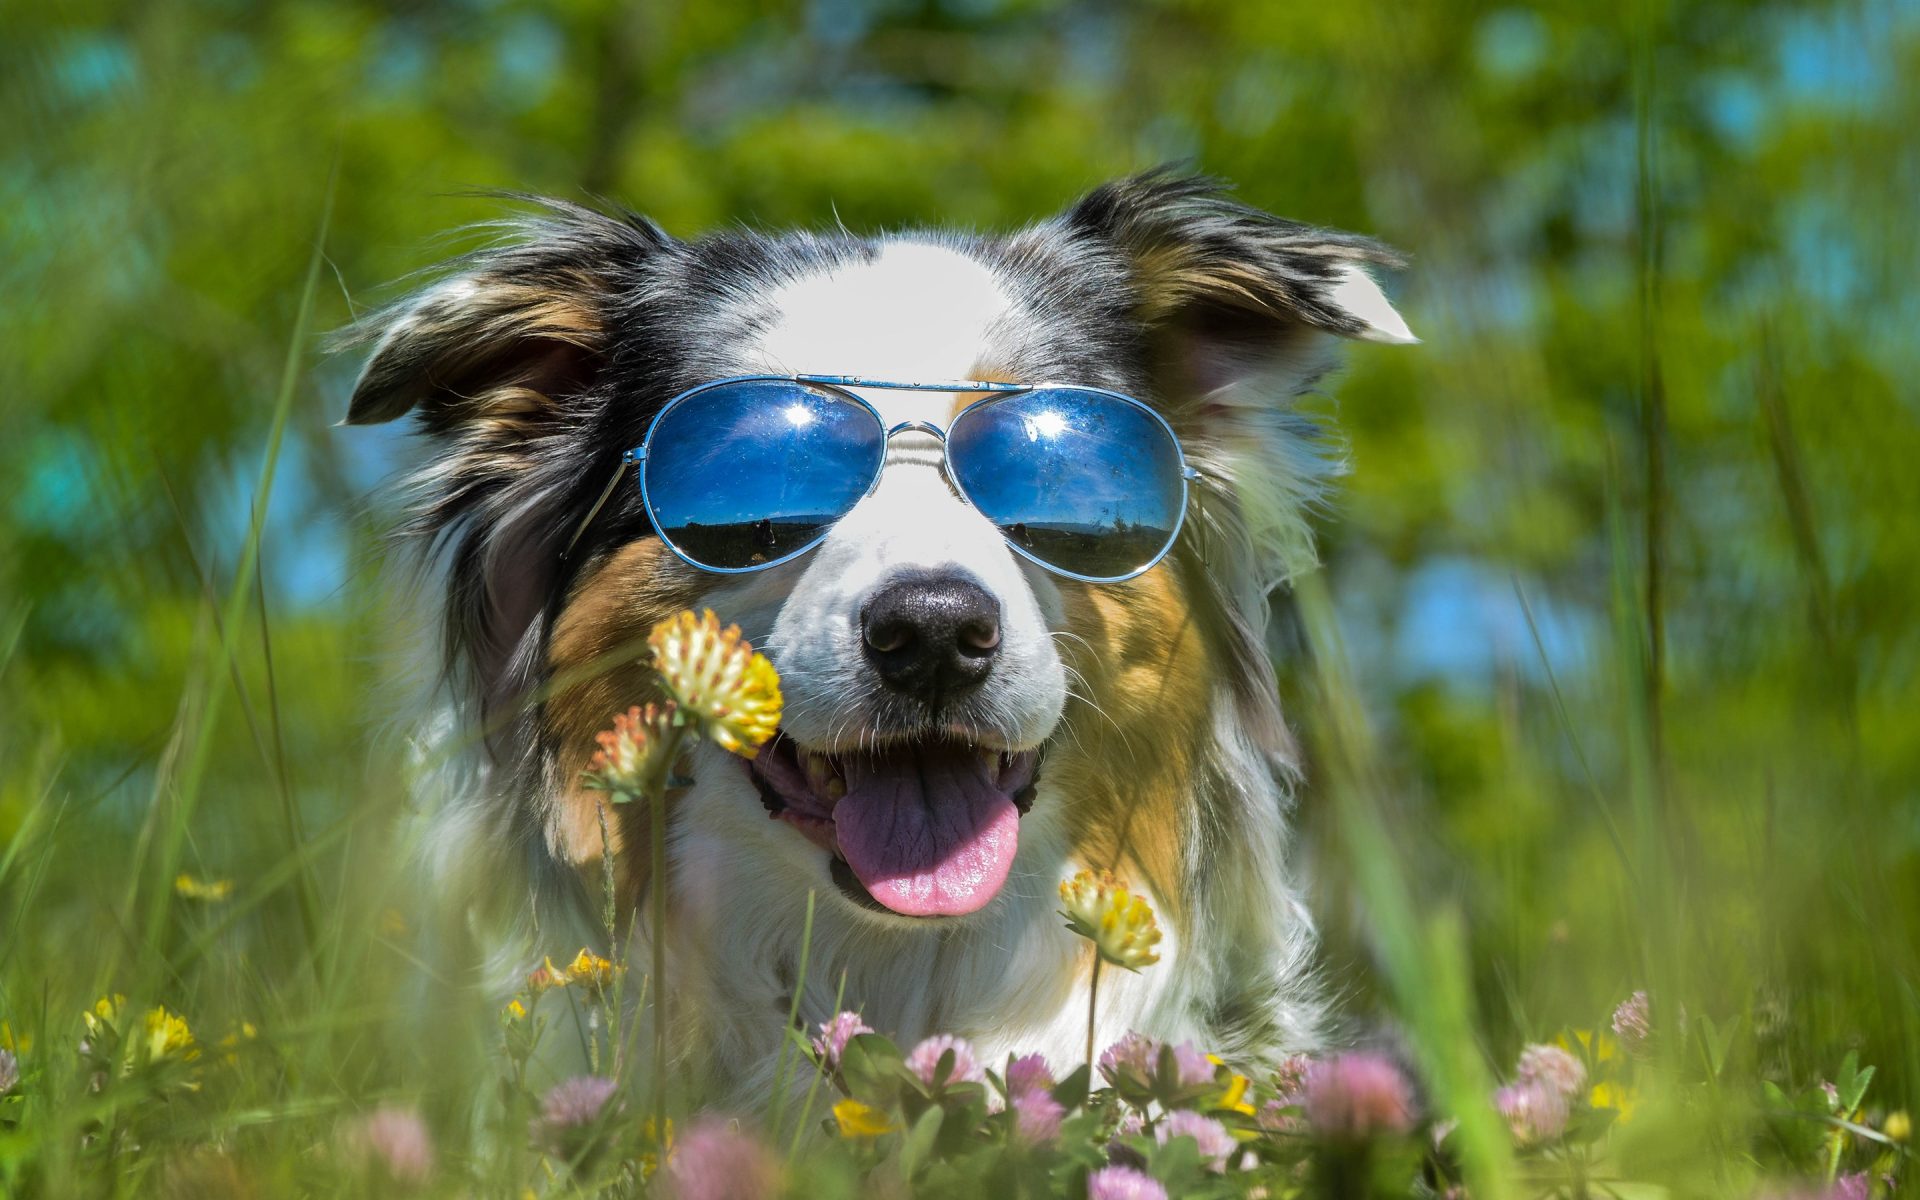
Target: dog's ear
[1239,313]
[503,361]
[1229,292]
[511,330]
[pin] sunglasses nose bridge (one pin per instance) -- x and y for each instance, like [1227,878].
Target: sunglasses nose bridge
[926,427]
[919,454]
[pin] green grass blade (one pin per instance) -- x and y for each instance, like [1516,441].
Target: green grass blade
[186,791]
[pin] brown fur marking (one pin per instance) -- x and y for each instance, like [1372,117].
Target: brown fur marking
[599,660]
[1129,765]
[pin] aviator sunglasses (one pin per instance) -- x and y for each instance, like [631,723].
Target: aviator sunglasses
[749,472]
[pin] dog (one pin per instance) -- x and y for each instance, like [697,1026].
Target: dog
[974,712]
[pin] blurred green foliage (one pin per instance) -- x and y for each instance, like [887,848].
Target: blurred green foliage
[1629,543]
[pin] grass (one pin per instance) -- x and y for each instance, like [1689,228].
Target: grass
[1713,801]
[348,1062]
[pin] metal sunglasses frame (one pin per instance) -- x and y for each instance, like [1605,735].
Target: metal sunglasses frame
[838,386]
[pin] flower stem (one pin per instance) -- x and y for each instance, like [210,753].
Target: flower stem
[657,881]
[1093,1002]
[793,1025]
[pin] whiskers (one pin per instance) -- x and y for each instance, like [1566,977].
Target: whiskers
[1080,689]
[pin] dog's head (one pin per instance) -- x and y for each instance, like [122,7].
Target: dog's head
[950,702]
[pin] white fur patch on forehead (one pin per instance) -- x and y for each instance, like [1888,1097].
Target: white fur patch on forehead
[918,311]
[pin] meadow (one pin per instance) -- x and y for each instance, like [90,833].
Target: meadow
[1606,684]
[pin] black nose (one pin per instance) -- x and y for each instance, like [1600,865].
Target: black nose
[932,636]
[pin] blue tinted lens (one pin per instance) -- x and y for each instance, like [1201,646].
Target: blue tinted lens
[1080,480]
[746,474]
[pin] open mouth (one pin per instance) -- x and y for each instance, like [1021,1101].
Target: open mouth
[924,828]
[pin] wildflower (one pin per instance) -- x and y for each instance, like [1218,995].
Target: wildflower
[16,1043]
[1633,1024]
[1036,1116]
[1357,1096]
[1856,1186]
[1235,1098]
[718,1161]
[544,978]
[246,1031]
[1554,1068]
[1131,1059]
[1119,924]
[1588,1045]
[622,763]
[834,1036]
[650,1159]
[1608,1094]
[514,1013]
[591,971]
[163,1034]
[1534,1111]
[1898,1125]
[1278,1116]
[1123,1183]
[1290,1078]
[207,891]
[9,1072]
[570,1113]
[103,1021]
[857,1120]
[1029,1074]
[167,1036]
[924,1060]
[390,1140]
[1192,1066]
[1216,1144]
[718,680]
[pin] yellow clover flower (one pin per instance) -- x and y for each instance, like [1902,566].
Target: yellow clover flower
[207,891]
[167,1036]
[106,1013]
[717,679]
[622,763]
[1237,1096]
[590,970]
[163,1034]
[545,978]
[230,1045]
[650,1159]
[1586,1043]
[857,1120]
[1118,923]
[1622,1099]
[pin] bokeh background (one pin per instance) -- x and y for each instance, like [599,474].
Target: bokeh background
[1626,568]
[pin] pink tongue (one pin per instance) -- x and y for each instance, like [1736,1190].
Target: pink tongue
[926,830]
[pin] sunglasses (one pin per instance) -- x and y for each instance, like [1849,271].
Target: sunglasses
[746,473]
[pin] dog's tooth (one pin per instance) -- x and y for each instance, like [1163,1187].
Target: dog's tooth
[835,789]
[817,769]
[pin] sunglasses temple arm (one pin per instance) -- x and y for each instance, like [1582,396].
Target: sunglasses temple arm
[626,460]
[1194,480]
